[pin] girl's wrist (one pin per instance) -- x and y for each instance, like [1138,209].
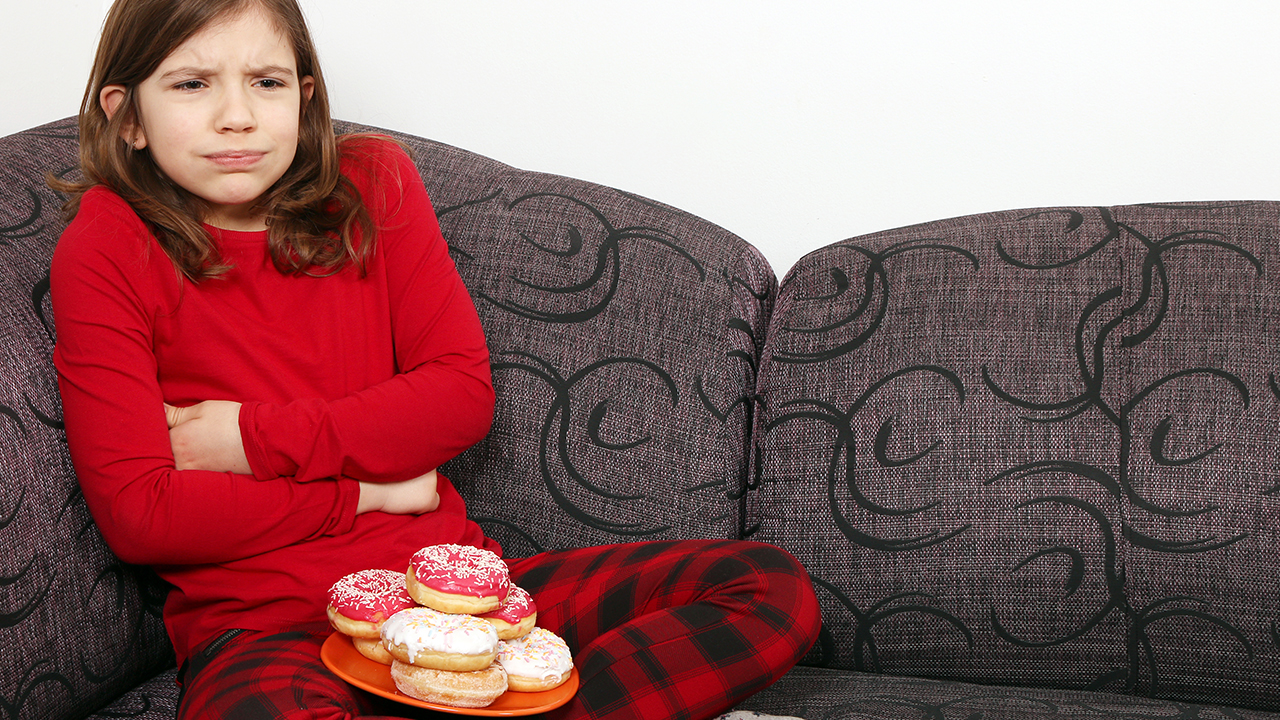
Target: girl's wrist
[371,498]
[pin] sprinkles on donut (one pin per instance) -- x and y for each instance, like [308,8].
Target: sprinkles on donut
[457,579]
[515,617]
[536,662]
[361,601]
[474,623]
[441,641]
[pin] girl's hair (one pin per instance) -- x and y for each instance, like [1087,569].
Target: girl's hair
[316,218]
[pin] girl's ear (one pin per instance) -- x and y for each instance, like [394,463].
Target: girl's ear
[110,98]
[308,86]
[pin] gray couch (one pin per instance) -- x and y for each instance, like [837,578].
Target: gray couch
[1029,458]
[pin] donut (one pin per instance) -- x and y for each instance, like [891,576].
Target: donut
[474,689]
[359,602]
[457,579]
[372,649]
[516,615]
[440,641]
[536,662]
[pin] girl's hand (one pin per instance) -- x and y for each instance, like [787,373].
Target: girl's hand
[415,496]
[206,436]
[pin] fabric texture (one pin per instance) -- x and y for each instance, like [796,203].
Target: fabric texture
[625,336]
[78,627]
[154,699]
[829,694]
[663,629]
[1036,448]
[678,629]
[386,378]
[264,675]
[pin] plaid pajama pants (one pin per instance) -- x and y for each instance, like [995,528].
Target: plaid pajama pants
[682,629]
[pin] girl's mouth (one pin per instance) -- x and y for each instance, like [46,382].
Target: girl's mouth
[236,159]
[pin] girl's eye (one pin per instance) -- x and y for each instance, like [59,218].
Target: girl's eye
[190,85]
[270,84]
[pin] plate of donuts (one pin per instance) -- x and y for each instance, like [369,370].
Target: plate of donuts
[340,656]
[451,633]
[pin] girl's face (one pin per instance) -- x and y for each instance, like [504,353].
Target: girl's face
[220,115]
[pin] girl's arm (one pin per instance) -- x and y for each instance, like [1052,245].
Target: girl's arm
[440,402]
[414,496]
[207,436]
[148,511]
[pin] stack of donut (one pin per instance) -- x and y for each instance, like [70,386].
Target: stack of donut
[453,628]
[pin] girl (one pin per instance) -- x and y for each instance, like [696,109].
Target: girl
[264,352]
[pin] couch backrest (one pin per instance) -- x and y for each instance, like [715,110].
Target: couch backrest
[77,626]
[1036,447]
[625,336]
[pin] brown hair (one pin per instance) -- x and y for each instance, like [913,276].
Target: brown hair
[314,213]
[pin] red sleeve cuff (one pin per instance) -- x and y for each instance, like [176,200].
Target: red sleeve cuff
[254,451]
[348,500]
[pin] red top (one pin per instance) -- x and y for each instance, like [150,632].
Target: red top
[343,378]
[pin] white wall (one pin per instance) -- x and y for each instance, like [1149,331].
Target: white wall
[793,124]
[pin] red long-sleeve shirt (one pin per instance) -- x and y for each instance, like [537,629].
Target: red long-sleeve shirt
[342,378]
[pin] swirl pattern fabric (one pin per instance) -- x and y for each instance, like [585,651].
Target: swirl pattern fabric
[624,336]
[1036,448]
[1028,458]
[78,626]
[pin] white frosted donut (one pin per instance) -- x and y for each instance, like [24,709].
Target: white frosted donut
[515,617]
[457,578]
[359,602]
[458,689]
[427,638]
[536,662]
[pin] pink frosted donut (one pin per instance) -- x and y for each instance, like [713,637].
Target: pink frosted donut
[515,617]
[361,601]
[457,579]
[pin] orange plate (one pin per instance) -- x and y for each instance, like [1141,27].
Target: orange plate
[340,656]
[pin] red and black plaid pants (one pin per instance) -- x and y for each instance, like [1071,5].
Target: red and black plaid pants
[681,629]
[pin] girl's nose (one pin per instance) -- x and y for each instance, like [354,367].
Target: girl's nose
[235,112]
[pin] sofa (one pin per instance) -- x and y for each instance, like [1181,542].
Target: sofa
[1029,458]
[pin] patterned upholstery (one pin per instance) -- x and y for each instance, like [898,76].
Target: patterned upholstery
[624,336]
[77,626]
[1036,448]
[1029,458]
[826,694]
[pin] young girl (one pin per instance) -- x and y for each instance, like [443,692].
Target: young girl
[264,352]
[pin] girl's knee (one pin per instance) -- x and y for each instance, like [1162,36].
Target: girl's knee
[790,590]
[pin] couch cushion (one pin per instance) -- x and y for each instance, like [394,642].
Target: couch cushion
[155,699]
[814,693]
[78,627]
[1036,447]
[625,336]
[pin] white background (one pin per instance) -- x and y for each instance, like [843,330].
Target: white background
[793,124]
